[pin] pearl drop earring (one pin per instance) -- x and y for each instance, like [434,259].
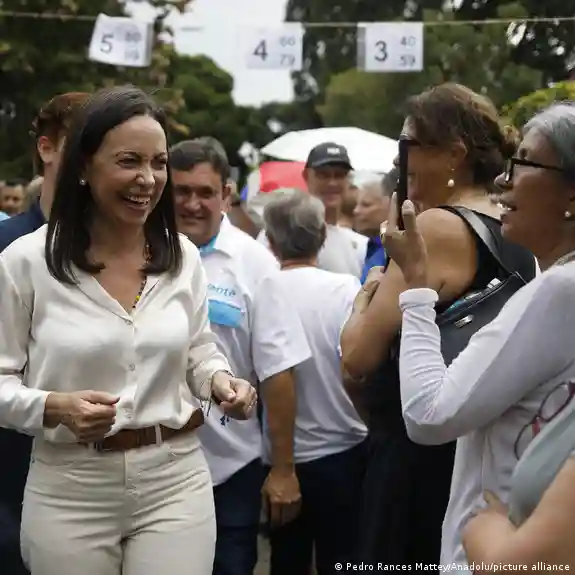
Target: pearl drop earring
[568,215]
[450,183]
[82,182]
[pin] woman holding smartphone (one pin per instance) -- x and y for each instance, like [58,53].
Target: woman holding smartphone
[455,148]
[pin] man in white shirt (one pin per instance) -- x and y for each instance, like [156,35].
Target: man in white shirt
[263,340]
[327,177]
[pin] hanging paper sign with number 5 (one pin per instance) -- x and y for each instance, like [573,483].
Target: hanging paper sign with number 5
[274,48]
[120,41]
[393,47]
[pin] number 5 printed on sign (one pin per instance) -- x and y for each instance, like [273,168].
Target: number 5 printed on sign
[120,41]
[273,48]
[392,47]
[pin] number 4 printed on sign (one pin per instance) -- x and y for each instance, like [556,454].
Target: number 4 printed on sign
[274,48]
[261,50]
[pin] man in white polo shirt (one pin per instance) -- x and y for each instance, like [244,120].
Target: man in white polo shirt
[263,340]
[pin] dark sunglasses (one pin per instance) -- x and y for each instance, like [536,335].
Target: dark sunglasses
[512,162]
[411,142]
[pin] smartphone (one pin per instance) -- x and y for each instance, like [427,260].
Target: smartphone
[401,189]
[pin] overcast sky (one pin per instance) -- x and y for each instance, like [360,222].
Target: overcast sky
[221,24]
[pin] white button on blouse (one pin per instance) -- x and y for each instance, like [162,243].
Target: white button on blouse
[65,338]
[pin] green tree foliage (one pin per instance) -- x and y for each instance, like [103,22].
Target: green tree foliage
[43,57]
[527,106]
[545,46]
[478,57]
[328,51]
[207,107]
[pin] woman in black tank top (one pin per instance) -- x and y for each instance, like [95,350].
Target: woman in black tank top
[457,148]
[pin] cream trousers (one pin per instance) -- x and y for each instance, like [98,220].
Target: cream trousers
[147,511]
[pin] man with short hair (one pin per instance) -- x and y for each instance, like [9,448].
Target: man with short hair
[12,197]
[50,127]
[326,174]
[371,211]
[263,339]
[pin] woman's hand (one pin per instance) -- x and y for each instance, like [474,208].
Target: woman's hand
[89,415]
[237,396]
[406,247]
[367,291]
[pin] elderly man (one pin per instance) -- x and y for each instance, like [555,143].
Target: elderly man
[370,212]
[329,439]
[326,174]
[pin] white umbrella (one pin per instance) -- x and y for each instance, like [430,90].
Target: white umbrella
[367,151]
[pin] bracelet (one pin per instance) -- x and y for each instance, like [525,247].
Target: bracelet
[215,399]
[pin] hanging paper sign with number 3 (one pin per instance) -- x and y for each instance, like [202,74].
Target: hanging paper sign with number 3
[273,48]
[392,47]
[120,41]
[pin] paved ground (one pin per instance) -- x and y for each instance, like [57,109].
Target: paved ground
[263,566]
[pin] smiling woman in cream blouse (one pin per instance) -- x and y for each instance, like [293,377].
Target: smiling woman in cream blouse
[104,339]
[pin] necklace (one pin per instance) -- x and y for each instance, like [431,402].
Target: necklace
[147,258]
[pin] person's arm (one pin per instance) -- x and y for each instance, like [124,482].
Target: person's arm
[204,357]
[545,537]
[277,347]
[452,260]
[523,347]
[21,408]
[278,395]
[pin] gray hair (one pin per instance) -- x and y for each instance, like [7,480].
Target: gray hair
[295,224]
[557,125]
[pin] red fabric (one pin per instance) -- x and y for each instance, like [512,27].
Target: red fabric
[275,175]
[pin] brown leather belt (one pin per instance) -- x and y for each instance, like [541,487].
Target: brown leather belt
[127,439]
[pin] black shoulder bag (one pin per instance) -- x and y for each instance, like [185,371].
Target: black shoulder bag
[476,309]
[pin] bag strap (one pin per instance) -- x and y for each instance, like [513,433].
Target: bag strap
[482,231]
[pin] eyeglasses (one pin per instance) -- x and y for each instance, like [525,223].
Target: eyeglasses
[512,162]
[551,406]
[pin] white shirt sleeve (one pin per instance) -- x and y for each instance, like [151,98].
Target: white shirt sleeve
[278,338]
[204,358]
[21,408]
[523,347]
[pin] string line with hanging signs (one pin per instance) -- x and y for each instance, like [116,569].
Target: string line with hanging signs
[488,21]
[382,46]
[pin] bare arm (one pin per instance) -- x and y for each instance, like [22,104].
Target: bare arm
[278,394]
[368,334]
[546,536]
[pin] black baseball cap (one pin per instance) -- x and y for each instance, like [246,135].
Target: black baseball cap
[327,154]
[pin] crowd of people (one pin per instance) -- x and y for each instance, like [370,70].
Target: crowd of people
[172,372]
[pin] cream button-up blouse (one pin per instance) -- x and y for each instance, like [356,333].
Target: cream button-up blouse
[65,338]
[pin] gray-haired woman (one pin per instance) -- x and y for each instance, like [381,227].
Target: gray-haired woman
[516,375]
[329,437]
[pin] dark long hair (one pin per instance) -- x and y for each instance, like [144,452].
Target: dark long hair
[68,237]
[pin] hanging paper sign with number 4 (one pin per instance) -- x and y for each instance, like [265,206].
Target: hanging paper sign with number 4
[274,48]
[393,46]
[121,41]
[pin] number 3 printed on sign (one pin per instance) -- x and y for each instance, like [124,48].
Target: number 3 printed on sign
[381,51]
